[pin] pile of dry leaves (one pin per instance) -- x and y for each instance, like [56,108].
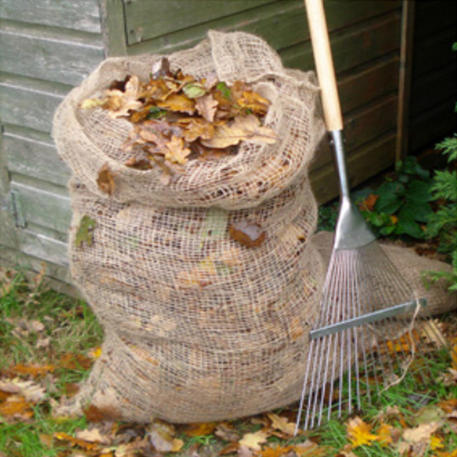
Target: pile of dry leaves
[176,118]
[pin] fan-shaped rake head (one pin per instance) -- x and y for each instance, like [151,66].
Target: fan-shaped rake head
[366,336]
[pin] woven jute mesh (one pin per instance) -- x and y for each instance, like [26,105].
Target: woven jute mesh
[197,326]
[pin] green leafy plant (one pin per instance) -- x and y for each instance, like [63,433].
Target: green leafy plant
[443,222]
[401,205]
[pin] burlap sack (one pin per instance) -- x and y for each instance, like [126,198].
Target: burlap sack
[197,326]
[411,266]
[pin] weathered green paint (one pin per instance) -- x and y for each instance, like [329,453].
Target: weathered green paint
[354,46]
[281,23]
[48,55]
[16,258]
[42,247]
[363,126]
[33,154]
[8,230]
[28,102]
[146,19]
[44,208]
[362,164]
[79,15]
[360,87]
[114,32]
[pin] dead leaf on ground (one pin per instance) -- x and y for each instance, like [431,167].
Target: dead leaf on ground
[161,435]
[31,391]
[96,414]
[93,435]
[205,428]
[177,152]
[282,424]
[254,440]
[359,433]
[105,180]
[247,233]
[75,361]
[227,432]
[33,370]
[15,407]
[369,202]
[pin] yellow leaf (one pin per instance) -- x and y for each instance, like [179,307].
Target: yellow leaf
[385,434]
[95,353]
[359,433]
[254,440]
[436,443]
[454,357]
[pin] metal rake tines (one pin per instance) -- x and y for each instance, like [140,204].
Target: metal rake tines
[365,336]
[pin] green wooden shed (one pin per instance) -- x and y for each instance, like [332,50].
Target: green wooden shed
[395,68]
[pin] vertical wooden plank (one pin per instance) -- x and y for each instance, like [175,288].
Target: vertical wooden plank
[113,27]
[405,76]
[7,226]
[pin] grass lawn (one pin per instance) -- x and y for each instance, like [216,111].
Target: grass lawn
[48,342]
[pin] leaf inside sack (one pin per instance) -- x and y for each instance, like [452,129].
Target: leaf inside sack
[105,180]
[207,106]
[247,233]
[243,128]
[178,102]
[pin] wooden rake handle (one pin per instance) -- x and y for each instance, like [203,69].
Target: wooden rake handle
[324,64]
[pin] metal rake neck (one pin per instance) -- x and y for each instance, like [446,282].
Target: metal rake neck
[351,231]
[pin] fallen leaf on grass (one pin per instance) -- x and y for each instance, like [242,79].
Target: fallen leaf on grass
[31,391]
[244,451]
[32,370]
[417,440]
[205,428]
[105,180]
[93,436]
[282,424]
[247,233]
[161,436]
[227,432]
[16,407]
[95,414]
[75,361]
[254,440]
[61,436]
[369,202]
[359,433]
[384,434]
[242,128]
